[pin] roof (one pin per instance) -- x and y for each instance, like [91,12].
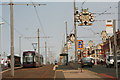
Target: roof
[14,56]
[29,51]
[63,54]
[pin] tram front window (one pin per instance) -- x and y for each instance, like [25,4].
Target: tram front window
[28,58]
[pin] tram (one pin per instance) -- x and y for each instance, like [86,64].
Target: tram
[32,59]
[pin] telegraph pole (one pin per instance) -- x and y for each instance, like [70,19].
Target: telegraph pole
[38,41]
[75,32]
[12,38]
[115,47]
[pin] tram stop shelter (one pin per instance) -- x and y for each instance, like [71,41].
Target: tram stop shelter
[64,58]
[17,60]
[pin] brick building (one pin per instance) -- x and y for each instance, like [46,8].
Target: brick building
[106,46]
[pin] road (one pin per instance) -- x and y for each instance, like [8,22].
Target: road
[28,73]
[62,72]
[102,70]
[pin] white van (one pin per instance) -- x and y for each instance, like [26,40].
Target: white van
[110,61]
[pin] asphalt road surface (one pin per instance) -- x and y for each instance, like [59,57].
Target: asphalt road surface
[102,70]
[31,73]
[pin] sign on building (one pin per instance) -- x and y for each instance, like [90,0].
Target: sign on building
[104,36]
[90,43]
[85,18]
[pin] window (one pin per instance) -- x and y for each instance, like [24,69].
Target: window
[28,58]
[118,58]
[111,57]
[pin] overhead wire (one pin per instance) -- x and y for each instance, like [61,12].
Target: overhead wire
[39,20]
[104,12]
[83,4]
[40,23]
[18,32]
[9,25]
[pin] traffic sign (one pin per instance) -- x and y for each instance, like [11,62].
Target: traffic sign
[80,44]
[72,37]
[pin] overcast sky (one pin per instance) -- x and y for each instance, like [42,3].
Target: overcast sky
[52,23]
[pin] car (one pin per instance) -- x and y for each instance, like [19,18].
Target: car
[110,61]
[86,61]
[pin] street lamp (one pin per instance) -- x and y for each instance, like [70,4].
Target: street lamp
[34,46]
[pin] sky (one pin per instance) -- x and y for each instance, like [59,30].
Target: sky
[51,22]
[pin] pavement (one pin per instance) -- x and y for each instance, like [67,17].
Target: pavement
[69,73]
[75,74]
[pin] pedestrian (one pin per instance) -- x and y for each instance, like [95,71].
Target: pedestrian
[9,63]
[80,65]
[55,62]
[102,62]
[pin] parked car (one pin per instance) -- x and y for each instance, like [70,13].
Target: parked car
[92,60]
[110,61]
[87,61]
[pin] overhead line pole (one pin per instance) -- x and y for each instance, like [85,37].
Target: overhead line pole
[38,41]
[115,48]
[49,55]
[66,37]
[75,32]
[20,46]
[1,39]
[45,53]
[12,38]
[12,32]
[66,44]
